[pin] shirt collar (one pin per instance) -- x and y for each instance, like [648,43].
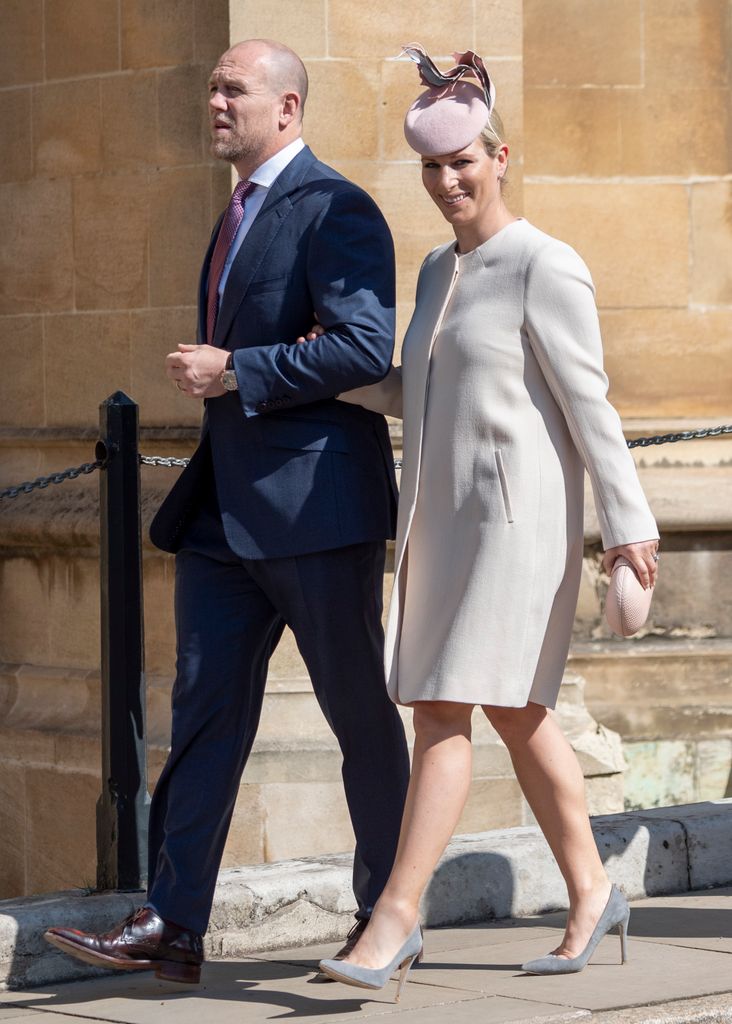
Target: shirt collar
[266,174]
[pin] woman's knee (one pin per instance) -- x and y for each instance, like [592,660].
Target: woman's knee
[440,718]
[515,725]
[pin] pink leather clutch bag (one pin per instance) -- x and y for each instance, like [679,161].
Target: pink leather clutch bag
[627,604]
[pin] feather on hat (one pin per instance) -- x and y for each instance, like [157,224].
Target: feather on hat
[451,113]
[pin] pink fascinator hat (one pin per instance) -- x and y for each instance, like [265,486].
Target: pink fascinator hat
[451,112]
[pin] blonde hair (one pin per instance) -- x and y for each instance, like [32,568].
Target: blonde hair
[493,136]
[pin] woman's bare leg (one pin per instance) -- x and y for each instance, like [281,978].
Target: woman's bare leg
[552,782]
[438,789]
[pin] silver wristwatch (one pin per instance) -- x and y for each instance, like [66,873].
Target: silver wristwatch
[228,376]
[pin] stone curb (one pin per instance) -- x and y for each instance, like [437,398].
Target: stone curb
[715,1009]
[487,875]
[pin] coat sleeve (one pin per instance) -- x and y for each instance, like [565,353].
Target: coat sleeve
[350,271]
[564,332]
[384,397]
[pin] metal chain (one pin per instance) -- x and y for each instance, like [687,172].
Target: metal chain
[55,478]
[685,435]
[638,442]
[170,462]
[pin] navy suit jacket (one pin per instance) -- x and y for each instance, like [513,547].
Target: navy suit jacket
[297,471]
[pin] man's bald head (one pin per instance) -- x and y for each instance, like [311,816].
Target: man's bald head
[255,101]
[281,66]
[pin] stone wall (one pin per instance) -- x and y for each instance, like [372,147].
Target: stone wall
[108,195]
[628,156]
[359,95]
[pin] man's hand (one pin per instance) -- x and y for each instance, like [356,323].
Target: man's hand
[316,331]
[196,370]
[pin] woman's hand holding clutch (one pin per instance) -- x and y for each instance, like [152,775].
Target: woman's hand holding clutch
[643,556]
[633,569]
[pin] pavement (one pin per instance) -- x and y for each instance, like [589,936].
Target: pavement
[679,971]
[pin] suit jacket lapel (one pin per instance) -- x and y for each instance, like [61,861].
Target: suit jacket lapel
[203,281]
[275,209]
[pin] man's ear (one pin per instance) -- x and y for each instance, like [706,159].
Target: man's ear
[289,109]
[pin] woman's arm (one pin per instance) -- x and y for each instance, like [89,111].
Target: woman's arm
[564,332]
[384,397]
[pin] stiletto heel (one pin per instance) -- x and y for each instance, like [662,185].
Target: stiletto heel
[615,915]
[623,933]
[403,977]
[377,977]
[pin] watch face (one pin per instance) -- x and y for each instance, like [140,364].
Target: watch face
[228,379]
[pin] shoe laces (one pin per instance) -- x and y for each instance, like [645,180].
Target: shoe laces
[135,916]
[358,927]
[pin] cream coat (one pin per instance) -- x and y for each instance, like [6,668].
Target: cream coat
[504,403]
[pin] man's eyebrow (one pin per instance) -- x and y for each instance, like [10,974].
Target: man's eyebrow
[225,78]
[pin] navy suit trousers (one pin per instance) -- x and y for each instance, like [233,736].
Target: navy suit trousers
[230,614]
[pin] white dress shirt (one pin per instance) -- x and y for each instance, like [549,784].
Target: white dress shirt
[264,177]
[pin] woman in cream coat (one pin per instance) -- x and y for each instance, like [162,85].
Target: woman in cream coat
[503,397]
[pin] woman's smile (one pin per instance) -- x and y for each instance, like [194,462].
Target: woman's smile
[455,200]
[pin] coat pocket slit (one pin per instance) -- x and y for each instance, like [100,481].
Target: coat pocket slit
[504,485]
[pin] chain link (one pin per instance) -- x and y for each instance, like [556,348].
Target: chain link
[170,462]
[685,435]
[638,442]
[54,478]
[167,461]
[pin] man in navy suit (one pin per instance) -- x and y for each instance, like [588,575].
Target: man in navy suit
[281,516]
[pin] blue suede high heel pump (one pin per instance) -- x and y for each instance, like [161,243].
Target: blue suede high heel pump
[377,977]
[615,915]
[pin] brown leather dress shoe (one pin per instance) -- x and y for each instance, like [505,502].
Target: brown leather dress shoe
[351,939]
[142,942]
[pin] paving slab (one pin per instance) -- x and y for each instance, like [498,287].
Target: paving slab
[263,992]
[702,920]
[496,969]
[17,1014]
[261,989]
[680,972]
[656,972]
[699,920]
[438,939]
[487,1010]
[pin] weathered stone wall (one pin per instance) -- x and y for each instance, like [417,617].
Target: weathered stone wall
[628,155]
[107,196]
[359,95]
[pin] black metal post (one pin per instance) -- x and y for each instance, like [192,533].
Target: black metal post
[122,810]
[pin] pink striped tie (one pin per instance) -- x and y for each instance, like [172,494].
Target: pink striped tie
[227,234]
